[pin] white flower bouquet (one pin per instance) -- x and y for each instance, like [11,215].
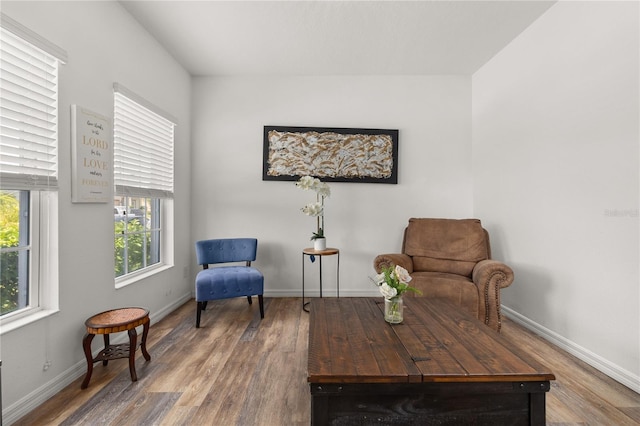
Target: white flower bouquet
[394,281]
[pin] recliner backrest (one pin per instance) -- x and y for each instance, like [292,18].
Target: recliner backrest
[225,250]
[446,245]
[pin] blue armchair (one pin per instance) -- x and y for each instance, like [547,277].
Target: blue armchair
[224,282]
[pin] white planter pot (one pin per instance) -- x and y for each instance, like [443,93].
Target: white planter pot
[320,244]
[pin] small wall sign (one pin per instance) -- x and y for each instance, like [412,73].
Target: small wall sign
[91,157]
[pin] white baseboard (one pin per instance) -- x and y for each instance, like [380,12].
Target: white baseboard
[31,401]
[617,373]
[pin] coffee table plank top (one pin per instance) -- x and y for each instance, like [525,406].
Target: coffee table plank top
[480,351]
[349,342]
[351,346]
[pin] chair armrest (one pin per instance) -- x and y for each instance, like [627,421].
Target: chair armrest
[386,260]
[490,276]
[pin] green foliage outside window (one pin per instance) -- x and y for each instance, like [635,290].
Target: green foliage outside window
[9,237]
[138,246]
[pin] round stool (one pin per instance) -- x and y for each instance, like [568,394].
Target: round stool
[114,321]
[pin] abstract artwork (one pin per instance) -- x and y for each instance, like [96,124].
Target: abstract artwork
[330,154]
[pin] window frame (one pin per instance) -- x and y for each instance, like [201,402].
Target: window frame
[149,227]
[159,190]
[41,183]
[166,249]
[43,262]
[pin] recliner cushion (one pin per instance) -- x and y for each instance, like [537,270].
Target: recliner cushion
[430,264]
[458,289]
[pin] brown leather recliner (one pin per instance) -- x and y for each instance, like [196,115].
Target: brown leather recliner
[451,258]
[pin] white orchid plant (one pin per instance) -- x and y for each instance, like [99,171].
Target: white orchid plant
[393,281]
[315,209]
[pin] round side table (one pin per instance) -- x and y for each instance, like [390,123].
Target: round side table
[311,252]
[114,321]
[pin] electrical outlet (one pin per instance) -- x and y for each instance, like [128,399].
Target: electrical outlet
[46,365]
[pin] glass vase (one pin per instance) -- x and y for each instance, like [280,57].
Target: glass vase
[393,310]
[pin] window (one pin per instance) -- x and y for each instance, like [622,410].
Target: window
[28,173]
[143,174]
[137,236]
[15,250]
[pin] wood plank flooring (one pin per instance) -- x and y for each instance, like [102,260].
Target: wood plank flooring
[240,370]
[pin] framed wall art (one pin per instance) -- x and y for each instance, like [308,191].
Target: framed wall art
[91,157]
[330,154]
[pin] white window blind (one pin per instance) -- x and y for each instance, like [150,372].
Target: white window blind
[28,110]
[143,148]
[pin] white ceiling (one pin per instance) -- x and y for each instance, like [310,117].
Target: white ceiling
[334,37]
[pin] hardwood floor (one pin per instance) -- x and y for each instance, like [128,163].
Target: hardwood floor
[239,370]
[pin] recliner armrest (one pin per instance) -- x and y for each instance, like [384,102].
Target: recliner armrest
[386,260]
[493,270]
[490,276]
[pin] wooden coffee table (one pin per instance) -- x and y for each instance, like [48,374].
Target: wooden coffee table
[440,366]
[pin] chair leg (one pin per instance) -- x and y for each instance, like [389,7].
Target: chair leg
[199,309]
[261,303]
[249,299]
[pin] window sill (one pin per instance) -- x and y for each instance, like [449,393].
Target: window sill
[14,324]
[140,275]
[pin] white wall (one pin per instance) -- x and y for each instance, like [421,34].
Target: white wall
[432,115]
[555,177]
[555,160]
[104,45]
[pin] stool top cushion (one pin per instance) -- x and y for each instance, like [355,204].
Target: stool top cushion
[116,320]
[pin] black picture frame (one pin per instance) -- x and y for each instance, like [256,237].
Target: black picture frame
[332,154]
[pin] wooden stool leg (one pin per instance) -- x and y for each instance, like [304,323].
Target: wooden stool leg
[86,344]
[106,347]
[143,345]
[133,336]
